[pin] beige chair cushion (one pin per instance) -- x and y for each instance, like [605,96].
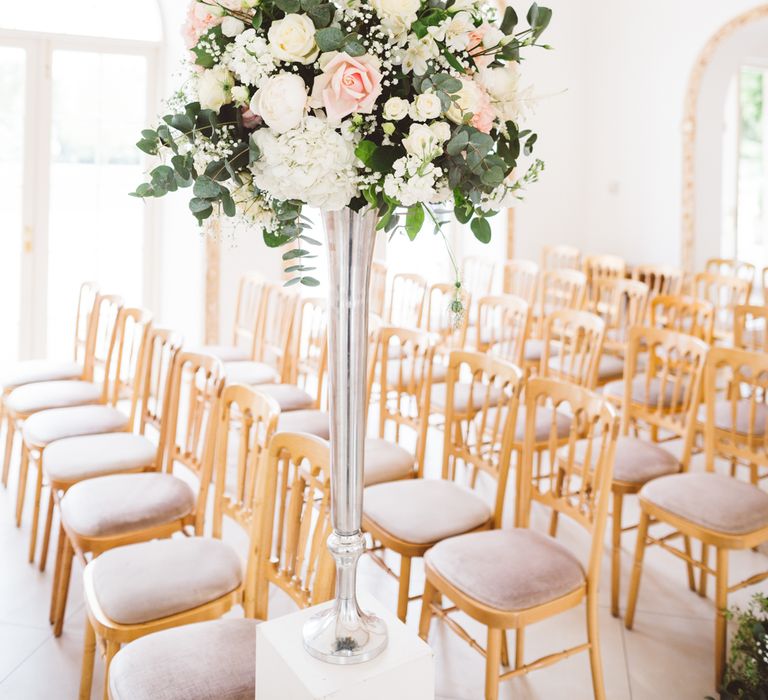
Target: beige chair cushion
[507,569]
[610,367]
[151,580]
[461,396]
[713,501]
[226,353]
[724,418]
[119,503]
[58,423]
[397,369]
[543,424]
[40,396]
[213,660]
[386,461]
[288,396]
[311,421]
[637,461]
[423,511]
[534,349]
[649,397]
[32,371]
[250,373]
[73,459]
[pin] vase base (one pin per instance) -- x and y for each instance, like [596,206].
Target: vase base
[344,634]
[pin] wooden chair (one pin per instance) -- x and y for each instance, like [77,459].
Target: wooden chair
[477,275]
[406,301]
[378,289]
[521,278]
[662,394]
[442,321]
[750,328]
[728,267]
[560,257]
[765,284]
[105,512]
[683,314]
[661,280]
[32,371]
[288,528]
[249,310]
[720,511]
[408,517]
[503,326]
[725,294]
[599,268]
[510,579]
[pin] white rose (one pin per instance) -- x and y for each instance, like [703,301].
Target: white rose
[397,15]
[426,106]
[231,26]
[468,99]
[214,88]
[441,130]
[421,142]
[240,95]
[395,108]
[203,10]
[281,102]
[503,87]
[292,39]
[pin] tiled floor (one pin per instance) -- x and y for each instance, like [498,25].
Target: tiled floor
[668,655]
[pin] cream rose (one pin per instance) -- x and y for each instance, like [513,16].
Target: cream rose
[472,99]
[395,109]
[281,102]
[421,142]
[503,86]
[292,39]
[214,88]
[397,15]
[426,106]
[441,130]
[231,26]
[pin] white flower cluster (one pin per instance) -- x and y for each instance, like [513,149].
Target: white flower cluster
[249,58]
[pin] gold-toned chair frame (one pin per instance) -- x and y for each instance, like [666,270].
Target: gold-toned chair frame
[725,294]
[683,314]
[510,317]
[560,257]
[407,297]
[521,278]
[746,336]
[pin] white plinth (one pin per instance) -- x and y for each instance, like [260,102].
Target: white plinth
[285,671]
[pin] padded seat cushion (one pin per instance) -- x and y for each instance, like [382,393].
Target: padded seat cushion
[386,461]
[250,373]
[543,424]
[73,459]
[534,349]
[40,396]
[288,396]
[610,367]
[119,503]
[151,580]
[32,371]
[404,368]
[423,511]
[310,421]
[646,396]
[714,501]
[742,421]
[461,396]
[213,660]
[226,353]
[507,569]
[637,461]
[45,427]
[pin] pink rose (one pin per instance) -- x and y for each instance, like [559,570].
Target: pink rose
[198,22]
[347,85]
[475,46]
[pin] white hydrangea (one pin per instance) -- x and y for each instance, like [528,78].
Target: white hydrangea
[413,181]
[249,58]
[313,163]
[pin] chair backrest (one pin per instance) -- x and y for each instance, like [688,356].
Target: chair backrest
[561,289]
[443,320]
[482,397]
[288,541]
[581,494]
[102,333]
[247,420]
[560,257]
[598,267]
[725,294]
[503,325]
[750,328]
[573,343]
[378,289]
[729,267]
[661,279]
[662,391]
[308,357]
[248,313]
[737,420]
[477,275]
[521,278]
[621,303]
[196,384]
[86,306]
[683,314]
[765,285]
[274,335]
[406,300]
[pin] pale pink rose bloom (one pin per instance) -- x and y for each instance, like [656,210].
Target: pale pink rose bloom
[195,25]
[347,85]
[250,120]
[484,114]
[475,45]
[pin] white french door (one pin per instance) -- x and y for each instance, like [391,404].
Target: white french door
[77,105]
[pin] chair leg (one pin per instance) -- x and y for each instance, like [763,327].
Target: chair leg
[421,447]
[426,610]
[22,489]
[637,570]
[10,434]
[57,573]
[721,606]
[593,632]
[65,576]
[112,649]
[504,649]
[89,655]
[520,647]
[36,512]
[47,531]
[703,579]
[404,587]
[618,504]
[492,663]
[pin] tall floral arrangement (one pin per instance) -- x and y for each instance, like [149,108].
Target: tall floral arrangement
[399,105]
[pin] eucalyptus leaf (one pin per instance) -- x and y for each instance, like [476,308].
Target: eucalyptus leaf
[329,39]
[482,230]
